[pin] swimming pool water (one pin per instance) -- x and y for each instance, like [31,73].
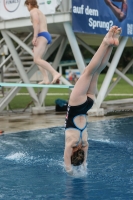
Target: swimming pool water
[31,164]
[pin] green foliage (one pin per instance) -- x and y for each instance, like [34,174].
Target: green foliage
[24,101]
[121,88]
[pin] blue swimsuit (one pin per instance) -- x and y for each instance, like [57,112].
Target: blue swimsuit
[74,111]
[46,35]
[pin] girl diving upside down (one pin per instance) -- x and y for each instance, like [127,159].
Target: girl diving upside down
[81,100]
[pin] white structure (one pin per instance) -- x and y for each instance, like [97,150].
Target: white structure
[17,35]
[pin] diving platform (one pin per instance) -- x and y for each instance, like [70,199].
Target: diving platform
[35,85]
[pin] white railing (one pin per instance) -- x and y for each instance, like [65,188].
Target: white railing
[7,59]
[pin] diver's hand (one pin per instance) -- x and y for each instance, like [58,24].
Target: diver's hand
[70,172]
[85,166]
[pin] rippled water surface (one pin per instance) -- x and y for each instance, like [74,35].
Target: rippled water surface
[31,164]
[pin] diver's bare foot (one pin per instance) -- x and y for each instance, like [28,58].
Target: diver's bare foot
[56,77]
[116,36]
[108,39]
[44,82]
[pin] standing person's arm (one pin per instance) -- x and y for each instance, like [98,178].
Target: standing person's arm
[67,159]
[35,21]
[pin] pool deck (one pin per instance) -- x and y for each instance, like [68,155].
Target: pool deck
[16,122]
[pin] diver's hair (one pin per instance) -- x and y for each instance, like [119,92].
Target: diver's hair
[33,3]
[77,158]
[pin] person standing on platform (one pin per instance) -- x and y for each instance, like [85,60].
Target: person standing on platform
[41,38]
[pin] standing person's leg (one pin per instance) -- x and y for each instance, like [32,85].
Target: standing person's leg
[38,53]
[78,95]
[44,73]
[45,76]
[93,85]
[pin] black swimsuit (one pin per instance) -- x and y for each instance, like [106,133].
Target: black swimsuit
[74,111]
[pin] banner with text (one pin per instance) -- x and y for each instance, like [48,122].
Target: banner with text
[97,16]
[10,9]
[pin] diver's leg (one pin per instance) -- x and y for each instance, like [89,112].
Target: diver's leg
[78,95]
[93,85]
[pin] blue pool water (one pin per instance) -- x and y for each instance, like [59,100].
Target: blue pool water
[31,164]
